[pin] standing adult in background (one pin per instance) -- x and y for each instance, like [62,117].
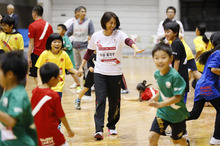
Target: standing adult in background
[10,12]
[170,12]
[70,21]
[38,32]
[82,29]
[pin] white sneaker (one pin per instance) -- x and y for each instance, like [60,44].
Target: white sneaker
[93,88]
[78,89]
[125,91]
[214,141]
[87,97]
[98,136]
[73,85]
[112,131]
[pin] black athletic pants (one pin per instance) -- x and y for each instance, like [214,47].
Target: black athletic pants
[107,86]
[197,109]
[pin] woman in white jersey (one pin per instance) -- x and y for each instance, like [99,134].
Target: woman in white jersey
[108,44]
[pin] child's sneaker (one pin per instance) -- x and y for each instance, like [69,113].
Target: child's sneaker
[73,85]
[78,89]
[112,131]
[188,141]
[214,141]
[98,136]
[87,97]
[77,104]
[125,91]
[168,132]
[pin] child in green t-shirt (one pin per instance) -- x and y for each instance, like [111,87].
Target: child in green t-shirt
[16,120]
[169,100]
[67,46]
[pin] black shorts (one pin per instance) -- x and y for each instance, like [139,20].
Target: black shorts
[191,64]
[89,80]
[178,129]
[33,69]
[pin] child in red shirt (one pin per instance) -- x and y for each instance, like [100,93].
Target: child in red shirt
[47,109]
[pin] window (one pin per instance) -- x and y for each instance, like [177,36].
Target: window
[194,12]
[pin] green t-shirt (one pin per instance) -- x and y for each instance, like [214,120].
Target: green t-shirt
[69,49]
[171,84]
[15,103]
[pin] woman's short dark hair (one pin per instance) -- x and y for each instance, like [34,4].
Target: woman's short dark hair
[174,26]
[14,61]
[47,71]
[8,20]
[106,17]
[38,9]
[163,47]
[51,38]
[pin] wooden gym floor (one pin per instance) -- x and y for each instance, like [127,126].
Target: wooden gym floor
[136,117]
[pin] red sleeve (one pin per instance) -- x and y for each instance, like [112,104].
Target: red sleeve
[31,33]
[88,54]
[58,107]
[129,42]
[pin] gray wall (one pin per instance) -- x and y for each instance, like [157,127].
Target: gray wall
[138,18]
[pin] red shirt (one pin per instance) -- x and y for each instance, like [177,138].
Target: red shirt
[148,93]
[47,110]
[40,32]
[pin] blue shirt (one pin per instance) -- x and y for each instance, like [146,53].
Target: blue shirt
[208,86]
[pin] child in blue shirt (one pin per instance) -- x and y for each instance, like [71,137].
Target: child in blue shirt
[208,87]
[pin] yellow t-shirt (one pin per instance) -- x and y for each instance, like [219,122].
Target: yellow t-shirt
[188,51]
[200,45]
[62,60]
[11,42]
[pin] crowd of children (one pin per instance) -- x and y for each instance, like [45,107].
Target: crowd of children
[18,115]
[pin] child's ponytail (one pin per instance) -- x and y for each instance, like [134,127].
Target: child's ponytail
[205,39]
[202,29]
[204,56]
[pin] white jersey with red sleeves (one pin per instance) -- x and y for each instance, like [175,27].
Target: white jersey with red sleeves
[108,52]
[40,30]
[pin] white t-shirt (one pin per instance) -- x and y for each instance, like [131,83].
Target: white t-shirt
[160,29]
[108,52]
[68,23]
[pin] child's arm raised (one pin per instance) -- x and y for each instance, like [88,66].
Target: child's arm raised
[68,129]
[168,102]
[7,119]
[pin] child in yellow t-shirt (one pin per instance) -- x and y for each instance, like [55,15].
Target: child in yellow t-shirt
[202,44]
[55,54]
[10,39]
